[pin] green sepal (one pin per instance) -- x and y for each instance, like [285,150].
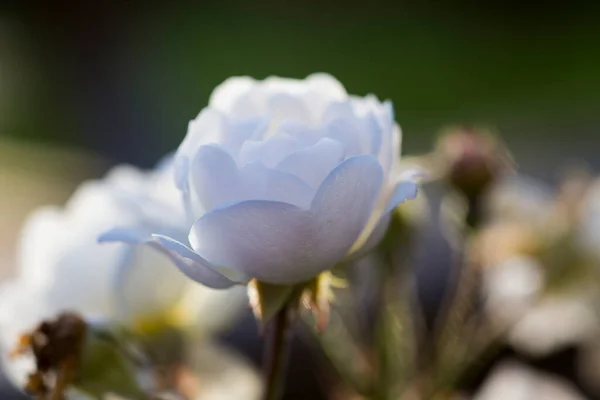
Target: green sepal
[266,299]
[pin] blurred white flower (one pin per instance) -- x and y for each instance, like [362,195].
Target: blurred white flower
[511,288]
[220,374]
[62,267]
[217,374]
[282,179]
[554,323]
[514,381]
[522,199]
[542,276]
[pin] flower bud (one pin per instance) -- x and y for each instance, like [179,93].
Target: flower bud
[472,159]
[56,347]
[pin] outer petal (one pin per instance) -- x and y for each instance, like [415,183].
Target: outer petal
[373,240]
[281,243]
[231,276]
[391,136]
[404,190]
[270,241]
[349,193]
[188,262]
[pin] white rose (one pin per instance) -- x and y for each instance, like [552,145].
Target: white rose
[62,267]
[511,288]
[283,179]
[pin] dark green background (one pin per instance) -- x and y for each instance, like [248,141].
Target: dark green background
[123,78]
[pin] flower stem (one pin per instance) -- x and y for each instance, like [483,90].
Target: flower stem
[277,345]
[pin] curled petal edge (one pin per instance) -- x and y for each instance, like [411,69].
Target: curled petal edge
[188,262]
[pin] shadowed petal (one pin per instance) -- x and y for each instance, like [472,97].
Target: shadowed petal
[216,181]
[215,178]
[269,152]
[313,164]
[377,234]
[275,185]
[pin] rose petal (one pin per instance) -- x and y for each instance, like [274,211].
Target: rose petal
[313,164]
[188,262]
[41,232]
[215,178]
[217,181]
[372,240]
[285,107]
[227,93]
[275,185]
[206,128]
[181,169]
[281,243]
[404,190]
[326,85]
[269,152]
[348,133]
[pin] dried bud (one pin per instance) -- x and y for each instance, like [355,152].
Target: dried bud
[56,346]
[71,354]
[473,159]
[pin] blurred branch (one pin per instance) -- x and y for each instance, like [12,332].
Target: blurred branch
[395,341]
[342,352]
